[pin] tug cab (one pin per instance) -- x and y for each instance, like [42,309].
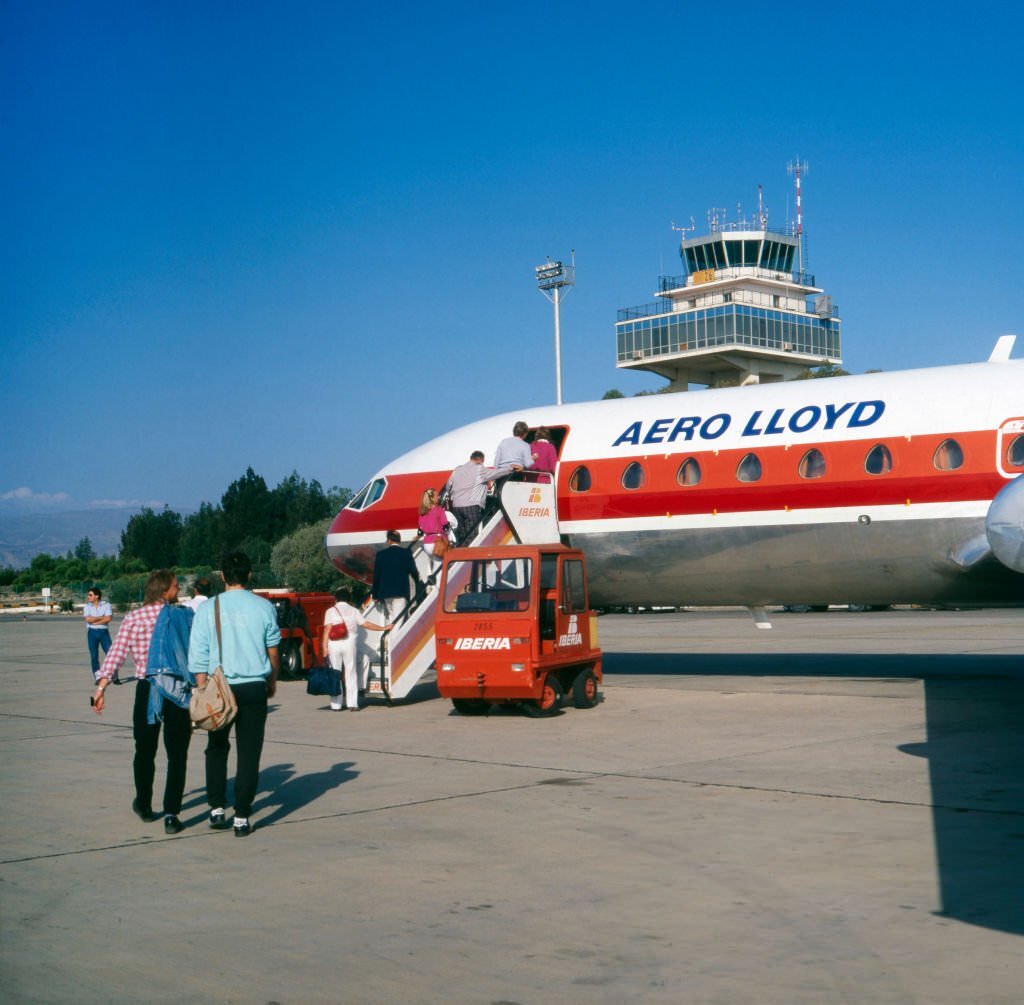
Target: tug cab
[300,617]
[514,626]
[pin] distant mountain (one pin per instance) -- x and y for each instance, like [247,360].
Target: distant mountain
[25,535]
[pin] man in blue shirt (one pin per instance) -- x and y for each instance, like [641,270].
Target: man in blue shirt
[245,645]
[97,613]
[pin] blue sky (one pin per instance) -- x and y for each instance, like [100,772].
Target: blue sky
[302,236]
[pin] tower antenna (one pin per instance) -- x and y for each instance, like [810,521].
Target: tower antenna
[797,168]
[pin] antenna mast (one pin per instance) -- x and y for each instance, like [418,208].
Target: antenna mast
[797,168]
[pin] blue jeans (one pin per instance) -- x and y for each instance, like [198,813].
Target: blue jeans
[97,637]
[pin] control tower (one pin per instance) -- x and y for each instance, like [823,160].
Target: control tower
[744,311]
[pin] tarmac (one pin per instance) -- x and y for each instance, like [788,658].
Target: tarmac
[828,812]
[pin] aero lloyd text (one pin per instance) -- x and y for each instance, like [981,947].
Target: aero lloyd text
[850,415]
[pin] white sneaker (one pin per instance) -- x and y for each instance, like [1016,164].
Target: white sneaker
[335,707]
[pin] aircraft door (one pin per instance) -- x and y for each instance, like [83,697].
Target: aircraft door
[571,614]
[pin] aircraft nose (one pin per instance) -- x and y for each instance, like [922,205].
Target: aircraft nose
[349,548]
[1004,525]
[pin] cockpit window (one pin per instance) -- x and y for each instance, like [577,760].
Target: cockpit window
[368,495]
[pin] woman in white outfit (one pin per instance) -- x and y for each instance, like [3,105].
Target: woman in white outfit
[343,654]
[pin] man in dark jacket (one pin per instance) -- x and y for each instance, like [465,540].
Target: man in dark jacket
[393,568]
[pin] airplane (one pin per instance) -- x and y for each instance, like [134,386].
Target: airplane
[904,487]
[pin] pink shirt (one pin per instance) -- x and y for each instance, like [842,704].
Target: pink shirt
[432,524]
[544,457]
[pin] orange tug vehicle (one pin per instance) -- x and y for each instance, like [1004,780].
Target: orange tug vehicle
[300,616]
[513,626]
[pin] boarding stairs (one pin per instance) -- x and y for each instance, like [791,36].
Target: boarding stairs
[525,514]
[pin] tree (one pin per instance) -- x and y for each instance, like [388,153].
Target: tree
[152,538]
[300,560]
[613,393]
[201,537]
[297,503]
[246,511]
[83,550]
[829,370]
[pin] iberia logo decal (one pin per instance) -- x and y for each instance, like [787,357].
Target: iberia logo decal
[572,636]
[533,506]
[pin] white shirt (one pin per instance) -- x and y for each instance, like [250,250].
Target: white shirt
[344,612]
[195,602]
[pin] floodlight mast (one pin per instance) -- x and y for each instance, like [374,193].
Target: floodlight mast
[552,278]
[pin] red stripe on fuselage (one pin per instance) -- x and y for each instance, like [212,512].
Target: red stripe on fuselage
[913,477]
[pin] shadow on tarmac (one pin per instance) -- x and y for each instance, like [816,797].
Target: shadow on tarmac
[282,788]
[974,709]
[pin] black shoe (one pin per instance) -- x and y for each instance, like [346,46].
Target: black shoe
[172,825]
[219,821]
[242,830]
[144,814]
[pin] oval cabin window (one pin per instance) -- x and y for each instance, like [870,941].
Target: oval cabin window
[633,477]
[749,469]
[948,456]
[1015,452]
[878,460]
[812,464]
[689,472]
[579,480]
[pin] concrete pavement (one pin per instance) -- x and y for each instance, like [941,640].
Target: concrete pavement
[832,811]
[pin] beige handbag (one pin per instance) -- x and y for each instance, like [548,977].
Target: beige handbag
[213,705]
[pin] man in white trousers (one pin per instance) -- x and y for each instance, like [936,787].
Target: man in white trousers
[343,653]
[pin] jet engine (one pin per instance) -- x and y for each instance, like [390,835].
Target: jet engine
[1004,525]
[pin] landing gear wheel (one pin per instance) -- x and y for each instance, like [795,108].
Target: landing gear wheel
[584,689]
[550,700]
[291,659]
[471,706]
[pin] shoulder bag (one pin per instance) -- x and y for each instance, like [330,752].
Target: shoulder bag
[213,705]
[339,631]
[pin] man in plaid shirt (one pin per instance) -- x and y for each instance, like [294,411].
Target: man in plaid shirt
[133,638]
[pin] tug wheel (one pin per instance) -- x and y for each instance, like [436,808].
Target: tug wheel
[291,659]
[584,689]
[550,700]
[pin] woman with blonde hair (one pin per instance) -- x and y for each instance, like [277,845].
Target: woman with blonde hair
[433,525]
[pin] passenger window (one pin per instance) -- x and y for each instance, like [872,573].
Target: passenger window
[948,456]
[1015,452]
[633,477]
[579,480]
[812,464]
[689,472]
[878,460]
[749,469]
